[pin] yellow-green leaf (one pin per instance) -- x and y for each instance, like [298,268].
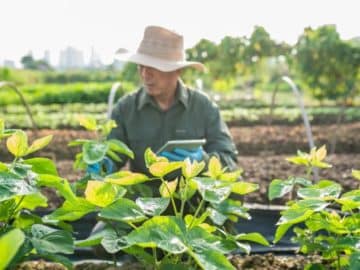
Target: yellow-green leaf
[231,176]
[162,168]
[100,193]
[244,187]
[126,178]
[88,122]
[190,170]
[356,174]
[39,143]
[17,143]
[9,245]
[321,153]
[214,168]
[167,189]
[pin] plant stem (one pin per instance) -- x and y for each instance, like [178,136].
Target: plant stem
[197,212]
[183,194]
[171,196]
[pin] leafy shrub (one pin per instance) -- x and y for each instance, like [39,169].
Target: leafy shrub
[326,221]
[20,183]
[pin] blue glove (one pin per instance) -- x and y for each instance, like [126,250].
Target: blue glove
[96,168]
[179,154]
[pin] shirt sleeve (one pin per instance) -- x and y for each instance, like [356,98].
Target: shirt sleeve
[119,132]
[219,140]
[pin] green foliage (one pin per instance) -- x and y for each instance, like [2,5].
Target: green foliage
[325,221]
[64,93]
[329,66]
[20,193]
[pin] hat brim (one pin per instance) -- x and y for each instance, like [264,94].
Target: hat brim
[160,64]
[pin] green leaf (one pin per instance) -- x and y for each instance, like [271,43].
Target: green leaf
[167,233]
[123,210]
[212,190]
[100,193]
[94,151]
[243,188]
[312,204]
[217,217]
[9,245]
[293,216]
[253,237]
[112,155]
[231,207]
[17,143]
[49,240]
[88,122]
[201,240]
[107,127]
[354,262]
[78,142]
[322,189]
[96,237]
[162,168]
[39,144]
[3,167]
[281,231]
[71,210]
[120,147]
[42,166]
[126,178]
[31,201]
[278,188]
[6,209]
[60,184]
[212,260]
[153,206]
[150,158]
[113,243]
[11,185]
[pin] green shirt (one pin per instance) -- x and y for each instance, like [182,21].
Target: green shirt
[142,124]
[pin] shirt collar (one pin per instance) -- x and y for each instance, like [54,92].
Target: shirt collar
[181,95]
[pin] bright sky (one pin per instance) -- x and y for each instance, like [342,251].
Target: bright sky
[105,25]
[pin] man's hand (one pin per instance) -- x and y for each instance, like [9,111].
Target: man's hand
[107,165]
[179,154]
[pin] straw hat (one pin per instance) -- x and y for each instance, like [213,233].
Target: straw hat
[162,49]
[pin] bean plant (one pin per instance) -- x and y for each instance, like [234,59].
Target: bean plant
[325,220]
[183,226]
[23,234]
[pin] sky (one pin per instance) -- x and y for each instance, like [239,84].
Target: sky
[106,25]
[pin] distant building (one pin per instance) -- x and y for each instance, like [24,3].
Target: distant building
[95,61]
[9,63]
[71,58]
[47,56]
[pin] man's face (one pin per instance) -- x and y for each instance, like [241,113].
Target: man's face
[158,83]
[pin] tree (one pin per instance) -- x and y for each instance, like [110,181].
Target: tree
[328,65]
[29,62]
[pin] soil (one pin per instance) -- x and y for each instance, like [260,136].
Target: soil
[252,262]
[262,153]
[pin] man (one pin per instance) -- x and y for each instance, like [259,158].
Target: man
[165,109]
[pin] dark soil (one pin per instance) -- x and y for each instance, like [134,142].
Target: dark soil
[251,262]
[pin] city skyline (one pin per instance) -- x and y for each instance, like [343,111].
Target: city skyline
[105,26]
